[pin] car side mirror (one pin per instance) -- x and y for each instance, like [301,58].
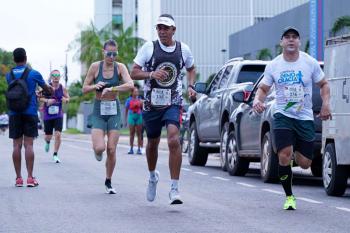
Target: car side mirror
[239,97]
[200,87]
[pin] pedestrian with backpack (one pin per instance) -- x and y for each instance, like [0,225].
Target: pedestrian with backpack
[22,104]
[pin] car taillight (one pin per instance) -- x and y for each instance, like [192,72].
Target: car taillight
[246,95]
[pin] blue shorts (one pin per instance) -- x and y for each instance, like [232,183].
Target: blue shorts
[156,119]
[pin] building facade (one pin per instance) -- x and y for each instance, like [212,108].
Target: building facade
[245,43]
[204,25]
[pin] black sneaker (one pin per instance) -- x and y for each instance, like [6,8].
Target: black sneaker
[109,188]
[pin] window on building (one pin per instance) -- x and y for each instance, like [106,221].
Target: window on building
[117,22]
[260,19]
[117,3]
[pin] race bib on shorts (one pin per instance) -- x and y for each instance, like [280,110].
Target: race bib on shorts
[294,93]
[161,97]
[52,110]
[108,108]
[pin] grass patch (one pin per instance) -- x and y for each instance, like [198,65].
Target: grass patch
[72,131]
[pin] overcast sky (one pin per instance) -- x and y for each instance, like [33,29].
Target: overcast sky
[44,28]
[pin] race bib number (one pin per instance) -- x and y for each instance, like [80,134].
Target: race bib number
[161,97]
[52,110]
[109,108]
[294,93]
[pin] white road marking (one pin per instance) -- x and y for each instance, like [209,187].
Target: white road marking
[309,200]
[273,191]
[246,185]
[220,178]
[343,208]
[186,169]
[201,173]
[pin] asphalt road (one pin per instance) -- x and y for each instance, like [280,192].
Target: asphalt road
[71,197]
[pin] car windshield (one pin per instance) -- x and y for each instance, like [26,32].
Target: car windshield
[250,73]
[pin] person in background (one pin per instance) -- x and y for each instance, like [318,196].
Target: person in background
[133,114]
[53,113]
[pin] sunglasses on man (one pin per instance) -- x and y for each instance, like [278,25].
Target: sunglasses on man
[110,54]
[55,75]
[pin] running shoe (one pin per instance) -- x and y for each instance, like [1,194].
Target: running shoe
[131,151]
[174,197]
[152,187]
[32,182]
[56,159]
[290,203]
[98,157]
[19,182]
[47,147]
[139,152]
[109,188]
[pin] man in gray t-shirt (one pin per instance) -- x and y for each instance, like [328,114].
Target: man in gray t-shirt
[293,73]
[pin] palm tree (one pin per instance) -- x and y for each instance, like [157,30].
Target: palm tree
[341,23]
[264,54]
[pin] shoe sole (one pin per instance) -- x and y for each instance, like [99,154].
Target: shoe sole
[32,185]
[176,202]
[19,185]
[290,208]
[110,191]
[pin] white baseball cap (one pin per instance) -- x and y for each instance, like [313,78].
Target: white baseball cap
[165,21]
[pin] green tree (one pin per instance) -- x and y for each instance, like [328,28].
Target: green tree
[307,46]
[6,63]
[264,54]
[341,23]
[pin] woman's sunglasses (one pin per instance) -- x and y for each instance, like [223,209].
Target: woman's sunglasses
[111,54]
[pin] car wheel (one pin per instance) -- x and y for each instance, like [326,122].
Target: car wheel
[268,161]
[185,139]
[197,155]
[223,142]
[316,167]
[334,176]
[236,166]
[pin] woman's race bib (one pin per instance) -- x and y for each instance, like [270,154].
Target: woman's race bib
[52,110]
[108,107]
[161,97]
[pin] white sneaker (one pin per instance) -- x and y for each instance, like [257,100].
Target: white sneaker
[98,157]
[174,197]
[56,159]
[152,187]
[109,188]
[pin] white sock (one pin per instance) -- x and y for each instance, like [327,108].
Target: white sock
[174,184]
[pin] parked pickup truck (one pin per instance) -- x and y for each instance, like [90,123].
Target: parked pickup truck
[336,132]
[210,113]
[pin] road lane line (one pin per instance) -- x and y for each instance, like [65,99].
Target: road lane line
[186,169]
[343,208]
[273,191]
[309,200]
[246,185]
[201,173]
[220,178]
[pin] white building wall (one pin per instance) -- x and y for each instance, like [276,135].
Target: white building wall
[103,13]
[148,12]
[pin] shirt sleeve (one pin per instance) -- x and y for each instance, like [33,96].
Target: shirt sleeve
[38,78]
[127,103]
[317,74]
[187,55]
[268,78]
[144,54]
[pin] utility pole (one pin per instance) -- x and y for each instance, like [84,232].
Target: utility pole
[66,71]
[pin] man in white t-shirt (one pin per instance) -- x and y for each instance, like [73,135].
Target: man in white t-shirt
[159,63]
[293,73]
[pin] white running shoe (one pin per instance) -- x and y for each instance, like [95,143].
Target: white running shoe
[98,157]
[109,188]
[56,159]
[174,197]
[152,187]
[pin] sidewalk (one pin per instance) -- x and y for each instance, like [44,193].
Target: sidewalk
[123,140]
